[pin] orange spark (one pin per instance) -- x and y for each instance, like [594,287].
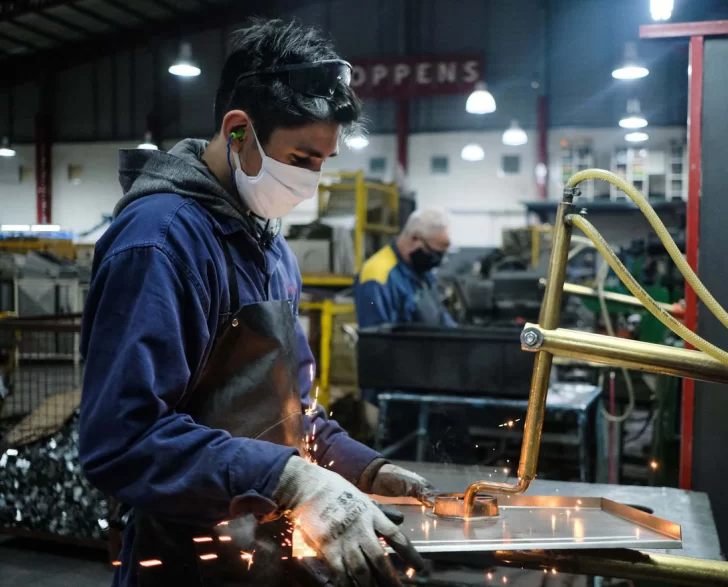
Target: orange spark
[225,538]
[410,573]
[505,579]
[331,463]
[116,564]
[489,576]
[150,563]
[223,523]
[553,571]
[653,465]
[247,556]
[202,539]
[208,557]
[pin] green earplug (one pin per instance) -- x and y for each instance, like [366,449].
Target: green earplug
[237,134]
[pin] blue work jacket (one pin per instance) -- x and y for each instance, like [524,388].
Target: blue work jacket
[158,298]
[386,288]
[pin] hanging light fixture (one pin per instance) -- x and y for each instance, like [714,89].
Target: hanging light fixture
[472,152]
[185,66]
[5,149]
[631,68]
[481,101]
[148,143]
[636,137]
[357,141]
[633,118]
[661,9]
[515,136]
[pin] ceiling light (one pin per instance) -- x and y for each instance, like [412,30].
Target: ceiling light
[472,152]
[184,66]
[5,149]
[633,118]
[661,9]
[630,69]
[148,143]
[515,135]
[15,227]
[45,228]
[357,141]
[636,137]
[481,101]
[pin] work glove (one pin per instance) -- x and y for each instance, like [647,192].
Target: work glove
[343,525]
[394,481]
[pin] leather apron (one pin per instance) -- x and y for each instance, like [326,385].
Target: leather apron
[248,387]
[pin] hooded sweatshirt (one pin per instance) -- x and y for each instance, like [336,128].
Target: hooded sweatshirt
[158,299]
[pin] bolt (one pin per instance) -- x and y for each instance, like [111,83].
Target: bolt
[530,338]
[583,212]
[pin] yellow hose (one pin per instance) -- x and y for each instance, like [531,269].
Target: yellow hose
[677,327]
[654,220]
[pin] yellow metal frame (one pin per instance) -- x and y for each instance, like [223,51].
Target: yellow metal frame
[60,247]
[328,310]
[362,188]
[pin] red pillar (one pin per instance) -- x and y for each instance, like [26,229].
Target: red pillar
[542,125]
[695,106]
[402,131]
[43,167]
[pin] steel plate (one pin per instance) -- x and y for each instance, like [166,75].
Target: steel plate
[534,523]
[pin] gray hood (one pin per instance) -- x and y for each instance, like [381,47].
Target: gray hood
[182,171]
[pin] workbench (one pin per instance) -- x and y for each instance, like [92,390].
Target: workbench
[690,509]
[577,398]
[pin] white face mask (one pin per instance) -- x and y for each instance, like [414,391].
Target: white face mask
[277,189]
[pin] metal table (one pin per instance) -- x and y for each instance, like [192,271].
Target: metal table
[576,398]
[690,509]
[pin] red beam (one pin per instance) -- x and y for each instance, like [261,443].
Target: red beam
[695,113]
[684,29]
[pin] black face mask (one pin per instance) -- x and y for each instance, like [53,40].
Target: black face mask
[424,260]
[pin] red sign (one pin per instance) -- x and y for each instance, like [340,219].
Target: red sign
[43,168]
[410,77]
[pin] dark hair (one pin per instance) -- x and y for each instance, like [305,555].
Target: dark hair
[268,101]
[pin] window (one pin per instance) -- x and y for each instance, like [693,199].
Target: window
[377,164]
[439,164]
[511,164]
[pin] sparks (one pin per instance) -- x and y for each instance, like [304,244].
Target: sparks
[553,571]
[505,579]
[313,433]
[150,563]
[223,523]
[208,557]
[423,509]
[225,538]
[653,465]
[202,539]
[116,564]
[578,501]
[247,556]
[284,558]
[410,573]
[489,576]
[331,463]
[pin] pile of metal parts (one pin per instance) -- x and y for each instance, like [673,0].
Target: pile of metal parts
[45,491]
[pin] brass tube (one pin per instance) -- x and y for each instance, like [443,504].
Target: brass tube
[618,298]
[622,563]
[549,316]
[622,352]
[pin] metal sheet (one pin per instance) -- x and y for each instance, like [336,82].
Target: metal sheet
[536,523]
[542,522]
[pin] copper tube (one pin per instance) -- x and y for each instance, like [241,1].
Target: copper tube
[587,292]
[622,563]
[623,352]
[549,317]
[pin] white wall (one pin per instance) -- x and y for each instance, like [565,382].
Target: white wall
[481,200]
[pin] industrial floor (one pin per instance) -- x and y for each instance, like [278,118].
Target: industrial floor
[33,563]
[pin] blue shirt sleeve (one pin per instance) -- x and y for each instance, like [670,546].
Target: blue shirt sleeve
[145,333]
[374,304]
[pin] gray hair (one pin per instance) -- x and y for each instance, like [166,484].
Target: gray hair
[428,222]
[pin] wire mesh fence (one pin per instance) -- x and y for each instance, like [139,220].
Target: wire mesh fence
[44,490]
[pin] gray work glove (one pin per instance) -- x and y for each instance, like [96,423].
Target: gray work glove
[394,481]
[343,525]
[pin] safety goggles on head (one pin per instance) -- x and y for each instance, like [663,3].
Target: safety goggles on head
[317,79]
